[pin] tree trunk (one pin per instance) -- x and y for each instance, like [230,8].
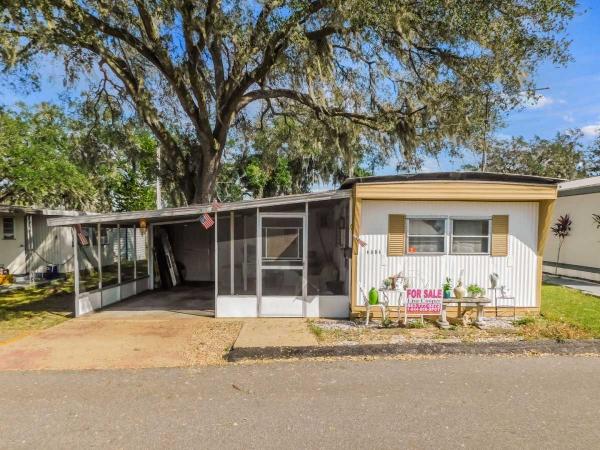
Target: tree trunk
[205,178]
[560,243]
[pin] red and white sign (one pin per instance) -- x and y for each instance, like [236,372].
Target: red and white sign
[424,302]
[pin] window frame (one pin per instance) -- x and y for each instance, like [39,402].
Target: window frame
[444,236]
[14,235]
[470,218]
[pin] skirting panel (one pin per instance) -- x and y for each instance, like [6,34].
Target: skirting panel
[236,306]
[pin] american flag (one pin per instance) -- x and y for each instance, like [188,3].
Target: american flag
[206,221]
[360,241]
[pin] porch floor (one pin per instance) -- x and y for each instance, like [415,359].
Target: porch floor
[188,299]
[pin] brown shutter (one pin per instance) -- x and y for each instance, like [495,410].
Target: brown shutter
[499,236]
[396,234]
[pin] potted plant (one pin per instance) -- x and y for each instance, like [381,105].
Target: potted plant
[475,291]
[447,288]
[387,283]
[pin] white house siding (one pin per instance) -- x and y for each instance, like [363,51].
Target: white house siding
[517,271]
[51,246]
[12,251]
[581,251]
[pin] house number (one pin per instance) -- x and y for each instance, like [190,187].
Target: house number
[373,252]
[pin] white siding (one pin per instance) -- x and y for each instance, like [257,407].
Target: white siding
[582,247]
[51,246]
[12,251]
[48,246]
[517,270]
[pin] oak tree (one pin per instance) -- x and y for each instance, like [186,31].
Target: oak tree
[414,71]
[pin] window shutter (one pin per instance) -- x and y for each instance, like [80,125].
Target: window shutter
[499,236]
[396,234]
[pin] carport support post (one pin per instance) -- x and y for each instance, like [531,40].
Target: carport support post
[119,255]
[231,255]
[76,269]
[150,255]
[216,261]
[99,239]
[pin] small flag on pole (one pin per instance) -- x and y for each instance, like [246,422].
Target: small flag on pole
[83,240]
[206,221]
[360,241]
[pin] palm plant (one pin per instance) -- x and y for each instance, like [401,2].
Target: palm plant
[561,229]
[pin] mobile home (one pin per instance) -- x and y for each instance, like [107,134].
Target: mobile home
[580,253]
[29,248]
[311,255]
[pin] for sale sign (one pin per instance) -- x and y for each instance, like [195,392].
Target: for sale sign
[424,302]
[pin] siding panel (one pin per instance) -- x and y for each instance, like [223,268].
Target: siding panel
[517,271]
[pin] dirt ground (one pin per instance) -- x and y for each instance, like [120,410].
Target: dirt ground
[346,332]
[124,340]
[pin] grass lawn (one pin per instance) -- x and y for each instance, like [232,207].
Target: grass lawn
[561,304]
[35,308]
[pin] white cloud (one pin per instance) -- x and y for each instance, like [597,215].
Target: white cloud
[591,130]
[568,117]
[539,102]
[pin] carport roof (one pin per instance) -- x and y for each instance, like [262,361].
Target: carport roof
[193,211]
[15,209]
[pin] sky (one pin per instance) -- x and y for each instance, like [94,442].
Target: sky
[572,99]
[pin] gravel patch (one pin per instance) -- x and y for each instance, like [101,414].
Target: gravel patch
[497,323]
[211,342]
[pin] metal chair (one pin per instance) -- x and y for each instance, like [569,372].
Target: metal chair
[383,304]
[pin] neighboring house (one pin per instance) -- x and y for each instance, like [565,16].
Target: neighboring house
[311,255]
[28,246]
[580,253]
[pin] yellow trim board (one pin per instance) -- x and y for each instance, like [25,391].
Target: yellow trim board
[455,190]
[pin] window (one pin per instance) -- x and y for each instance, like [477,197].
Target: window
[470,236]
[281,239]
[426,235]
[8,228]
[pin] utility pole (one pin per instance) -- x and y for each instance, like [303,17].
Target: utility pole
[158,185]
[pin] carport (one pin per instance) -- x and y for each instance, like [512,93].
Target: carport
[276,257]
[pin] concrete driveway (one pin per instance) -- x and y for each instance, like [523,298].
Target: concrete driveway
[158,329]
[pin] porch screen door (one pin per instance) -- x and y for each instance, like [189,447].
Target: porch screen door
[282,281]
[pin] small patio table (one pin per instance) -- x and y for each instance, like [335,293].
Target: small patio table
[480,302]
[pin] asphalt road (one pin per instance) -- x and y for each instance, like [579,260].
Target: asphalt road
[458,402]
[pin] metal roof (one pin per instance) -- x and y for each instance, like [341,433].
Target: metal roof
[452,176]
[579,187]
[185,212]
[12,209]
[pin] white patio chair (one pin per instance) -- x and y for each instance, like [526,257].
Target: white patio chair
[383,304]
[506,300]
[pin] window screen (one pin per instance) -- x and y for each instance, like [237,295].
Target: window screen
[470,236]
[426,235]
